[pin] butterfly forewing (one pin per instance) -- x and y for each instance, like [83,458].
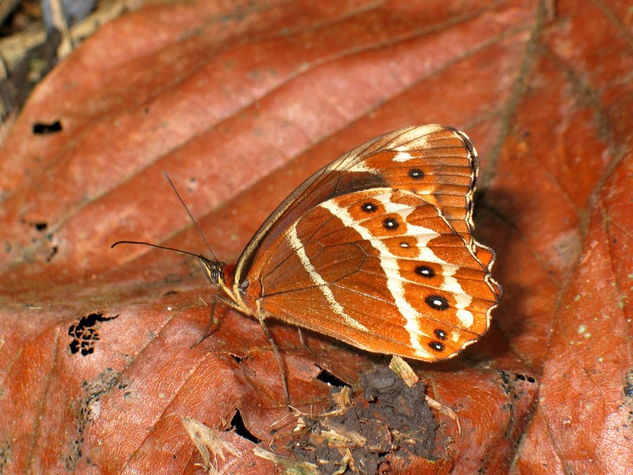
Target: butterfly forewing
[435,161]
[440,168]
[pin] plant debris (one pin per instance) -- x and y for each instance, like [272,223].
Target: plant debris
[387,420]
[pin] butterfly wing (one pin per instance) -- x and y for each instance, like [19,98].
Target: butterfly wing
[381,269]
[439,163]
[422,291]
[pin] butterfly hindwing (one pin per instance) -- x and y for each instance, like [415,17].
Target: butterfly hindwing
[382,269]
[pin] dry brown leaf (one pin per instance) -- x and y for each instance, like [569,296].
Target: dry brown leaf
[239,102]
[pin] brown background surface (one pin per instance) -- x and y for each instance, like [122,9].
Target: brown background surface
[239,102]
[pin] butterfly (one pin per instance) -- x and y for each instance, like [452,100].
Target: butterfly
[376,250]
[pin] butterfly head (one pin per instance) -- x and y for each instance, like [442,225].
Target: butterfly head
[214,270]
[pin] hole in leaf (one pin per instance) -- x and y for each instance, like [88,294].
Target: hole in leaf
[85,333]
[42,128]
[523,377]
[328,378]
[237,423]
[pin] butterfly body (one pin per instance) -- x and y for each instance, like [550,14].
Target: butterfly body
[376,250]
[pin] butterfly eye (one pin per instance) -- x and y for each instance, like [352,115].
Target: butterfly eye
[416,173]
[213,270]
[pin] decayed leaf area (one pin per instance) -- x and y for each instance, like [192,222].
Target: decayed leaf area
[102,355]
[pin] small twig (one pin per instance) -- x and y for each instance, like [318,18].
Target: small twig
[210,444]
[14,48]
[289,464]
[59,22]
[447,411]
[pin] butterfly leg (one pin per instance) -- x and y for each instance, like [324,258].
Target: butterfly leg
[303,341]
[213,323]
[280,365]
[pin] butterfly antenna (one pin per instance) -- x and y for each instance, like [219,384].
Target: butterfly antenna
[144,243]
[193,220]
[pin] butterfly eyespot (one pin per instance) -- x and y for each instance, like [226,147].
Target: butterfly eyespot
[436,345]
[441,334]
[390,224]
[416,174]
[369,207]
[425,271]
[436,302]
[404,245]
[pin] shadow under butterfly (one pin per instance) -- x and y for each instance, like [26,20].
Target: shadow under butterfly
[375,249]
